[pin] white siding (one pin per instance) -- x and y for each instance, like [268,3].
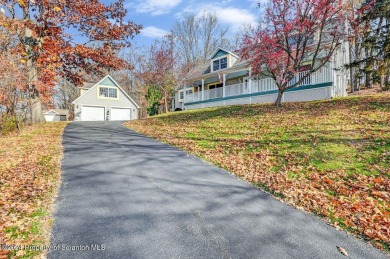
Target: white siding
[320,93]
[91,99]
[51,117]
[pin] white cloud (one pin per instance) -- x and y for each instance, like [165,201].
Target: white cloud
[153,32]
[232,16]
[154,7]
[235,17]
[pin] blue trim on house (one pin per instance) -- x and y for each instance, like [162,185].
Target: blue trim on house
[215,79]
[107,81]
[220,53]
[299,88]
[236,74]
[211,80]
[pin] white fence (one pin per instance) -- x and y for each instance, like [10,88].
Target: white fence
[324,75]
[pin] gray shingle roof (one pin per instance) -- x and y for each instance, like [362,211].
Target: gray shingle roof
[204,68]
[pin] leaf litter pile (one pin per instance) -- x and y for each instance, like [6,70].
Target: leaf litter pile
[330,157]
[29,182]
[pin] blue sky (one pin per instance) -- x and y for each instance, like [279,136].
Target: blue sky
[158,16]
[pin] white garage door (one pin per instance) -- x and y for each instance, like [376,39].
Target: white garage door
[120,114]
[92,113]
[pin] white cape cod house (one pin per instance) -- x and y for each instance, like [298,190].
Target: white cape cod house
[226,79]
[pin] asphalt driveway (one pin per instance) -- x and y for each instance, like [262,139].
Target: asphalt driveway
[124,195]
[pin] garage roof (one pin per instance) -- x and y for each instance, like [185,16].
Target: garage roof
[57,111]
[108,80]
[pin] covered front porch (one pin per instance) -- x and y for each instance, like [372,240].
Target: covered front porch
[253,86]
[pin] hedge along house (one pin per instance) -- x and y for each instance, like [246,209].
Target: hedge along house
[226,79]
[105,101]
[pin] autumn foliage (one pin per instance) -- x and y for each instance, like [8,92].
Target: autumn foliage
[66,38]
[292,34]
[12,73]
[330,158]
[158,75]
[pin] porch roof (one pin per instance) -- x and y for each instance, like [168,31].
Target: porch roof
[202,71]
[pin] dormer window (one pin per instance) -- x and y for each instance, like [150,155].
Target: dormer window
[220,64]
[221,59]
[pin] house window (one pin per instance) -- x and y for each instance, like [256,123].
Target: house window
[103,92]
[223,63]
[220,64]
[215,86]
[181,95]
[112,93]
[293,40]
[107,92]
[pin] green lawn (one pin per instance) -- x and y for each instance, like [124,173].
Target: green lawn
[327,157]
[29,182]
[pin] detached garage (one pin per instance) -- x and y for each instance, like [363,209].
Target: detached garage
[105,101]
[56,115]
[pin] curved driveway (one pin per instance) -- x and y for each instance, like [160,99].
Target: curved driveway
[124,195]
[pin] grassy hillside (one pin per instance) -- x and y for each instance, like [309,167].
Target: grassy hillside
[29,181]
[327,157]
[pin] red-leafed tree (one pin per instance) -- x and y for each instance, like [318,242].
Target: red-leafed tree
[66,38]
[292,33]
[159,72]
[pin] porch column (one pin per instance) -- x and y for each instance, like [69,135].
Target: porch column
[184,96]
[250,81]
[202,89]
[335,84]
[224,85]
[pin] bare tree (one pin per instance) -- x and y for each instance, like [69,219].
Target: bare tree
[66,94]
[197,37]
[355,37]
[235,43]
[369,22]
[130,79]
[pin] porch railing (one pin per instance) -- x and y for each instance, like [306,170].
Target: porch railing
[212,93]
[323,75]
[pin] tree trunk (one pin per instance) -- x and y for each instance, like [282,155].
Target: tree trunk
[36,110]
[368,80]
[351,79]
[278,101]
[166,103]
[355,81]
[351,73]
[35,102]
[386,82]
[367,69]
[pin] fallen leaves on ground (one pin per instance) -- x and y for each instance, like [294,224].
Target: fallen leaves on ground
[29,181]
[327,157]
